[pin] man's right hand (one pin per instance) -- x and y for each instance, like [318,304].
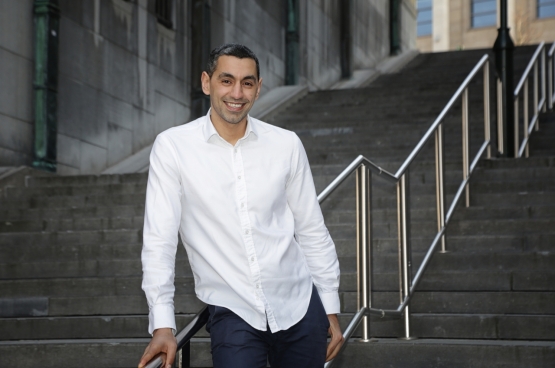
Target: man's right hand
[164,343]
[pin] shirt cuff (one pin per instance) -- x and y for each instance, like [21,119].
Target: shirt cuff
[161,316]
[330,301]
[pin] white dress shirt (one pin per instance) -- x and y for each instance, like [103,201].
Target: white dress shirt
[250,222]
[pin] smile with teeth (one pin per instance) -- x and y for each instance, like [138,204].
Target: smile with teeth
[234,105]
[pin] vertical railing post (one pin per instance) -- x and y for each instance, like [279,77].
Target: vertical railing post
[440,194]
[500,140]
[550,82]
[526,115]
[364,246]
[405,266]
[465,145]
[515,143]
[185,356]
[543,82]
[487,111]
[536,99]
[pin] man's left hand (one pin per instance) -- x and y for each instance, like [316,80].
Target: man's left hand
[336,338]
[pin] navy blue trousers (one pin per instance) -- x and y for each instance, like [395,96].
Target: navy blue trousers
[235,344]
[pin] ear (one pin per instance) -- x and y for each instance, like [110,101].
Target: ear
[259,88]
[205,80]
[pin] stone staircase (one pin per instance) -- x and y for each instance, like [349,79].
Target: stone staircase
[70,247]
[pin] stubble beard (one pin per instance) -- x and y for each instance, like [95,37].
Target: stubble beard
[231,118]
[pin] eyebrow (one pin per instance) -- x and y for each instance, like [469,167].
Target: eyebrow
[227,75]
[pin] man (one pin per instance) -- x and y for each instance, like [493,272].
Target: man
[241,195]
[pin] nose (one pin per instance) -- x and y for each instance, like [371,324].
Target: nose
[237,91]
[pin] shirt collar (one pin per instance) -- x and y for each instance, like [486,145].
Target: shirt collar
[209,131]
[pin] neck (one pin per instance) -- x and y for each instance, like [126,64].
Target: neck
[230,132]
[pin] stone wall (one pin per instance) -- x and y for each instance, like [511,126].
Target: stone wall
[123,77]
[16,82]
[370,30]
[258,24]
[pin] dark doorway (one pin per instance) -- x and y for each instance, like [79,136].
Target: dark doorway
[346,39]
[200,49]
[292,42]
[394,27]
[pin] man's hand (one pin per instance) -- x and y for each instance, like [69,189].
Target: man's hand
[164,343]
[336,338]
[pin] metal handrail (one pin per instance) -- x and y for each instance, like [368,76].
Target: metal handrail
[533,124]
[394,178]
[184,340]
[365,167]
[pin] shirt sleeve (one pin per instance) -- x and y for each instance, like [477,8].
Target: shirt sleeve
[161,226]
[310,231]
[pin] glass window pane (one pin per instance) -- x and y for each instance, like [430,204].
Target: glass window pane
[424,4]
[484,20]
[424,16]
[546,11]
[484,7]
[424,29]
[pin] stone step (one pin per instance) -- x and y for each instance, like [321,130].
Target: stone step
[478,280]
[123,295]
[383,262]
[93,353]
[343,200]
[499,299]
[73,224]
[461,227]
[465,326]
[89,190]
[338,221]
[78,180]
[76,191]
[381,216]
[113,245]
[383,352]
[29,306]
[475,244]
[440,353]
[39,214]
[536,219]
[84,327]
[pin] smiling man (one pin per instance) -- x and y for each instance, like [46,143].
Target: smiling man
[241,195]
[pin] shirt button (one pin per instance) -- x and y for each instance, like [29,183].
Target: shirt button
[235,150]
[246,231]
[239,177]
[242,205]
[252,259]
[258,286]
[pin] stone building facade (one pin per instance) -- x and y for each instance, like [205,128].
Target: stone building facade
[129,69]
[446,25]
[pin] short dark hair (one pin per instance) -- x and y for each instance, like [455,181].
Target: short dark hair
[230,49]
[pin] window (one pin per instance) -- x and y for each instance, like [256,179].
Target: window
[546,8]
[164,13]
[424,18]
[483,13]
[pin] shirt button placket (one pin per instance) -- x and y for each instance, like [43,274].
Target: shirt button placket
[245,223]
